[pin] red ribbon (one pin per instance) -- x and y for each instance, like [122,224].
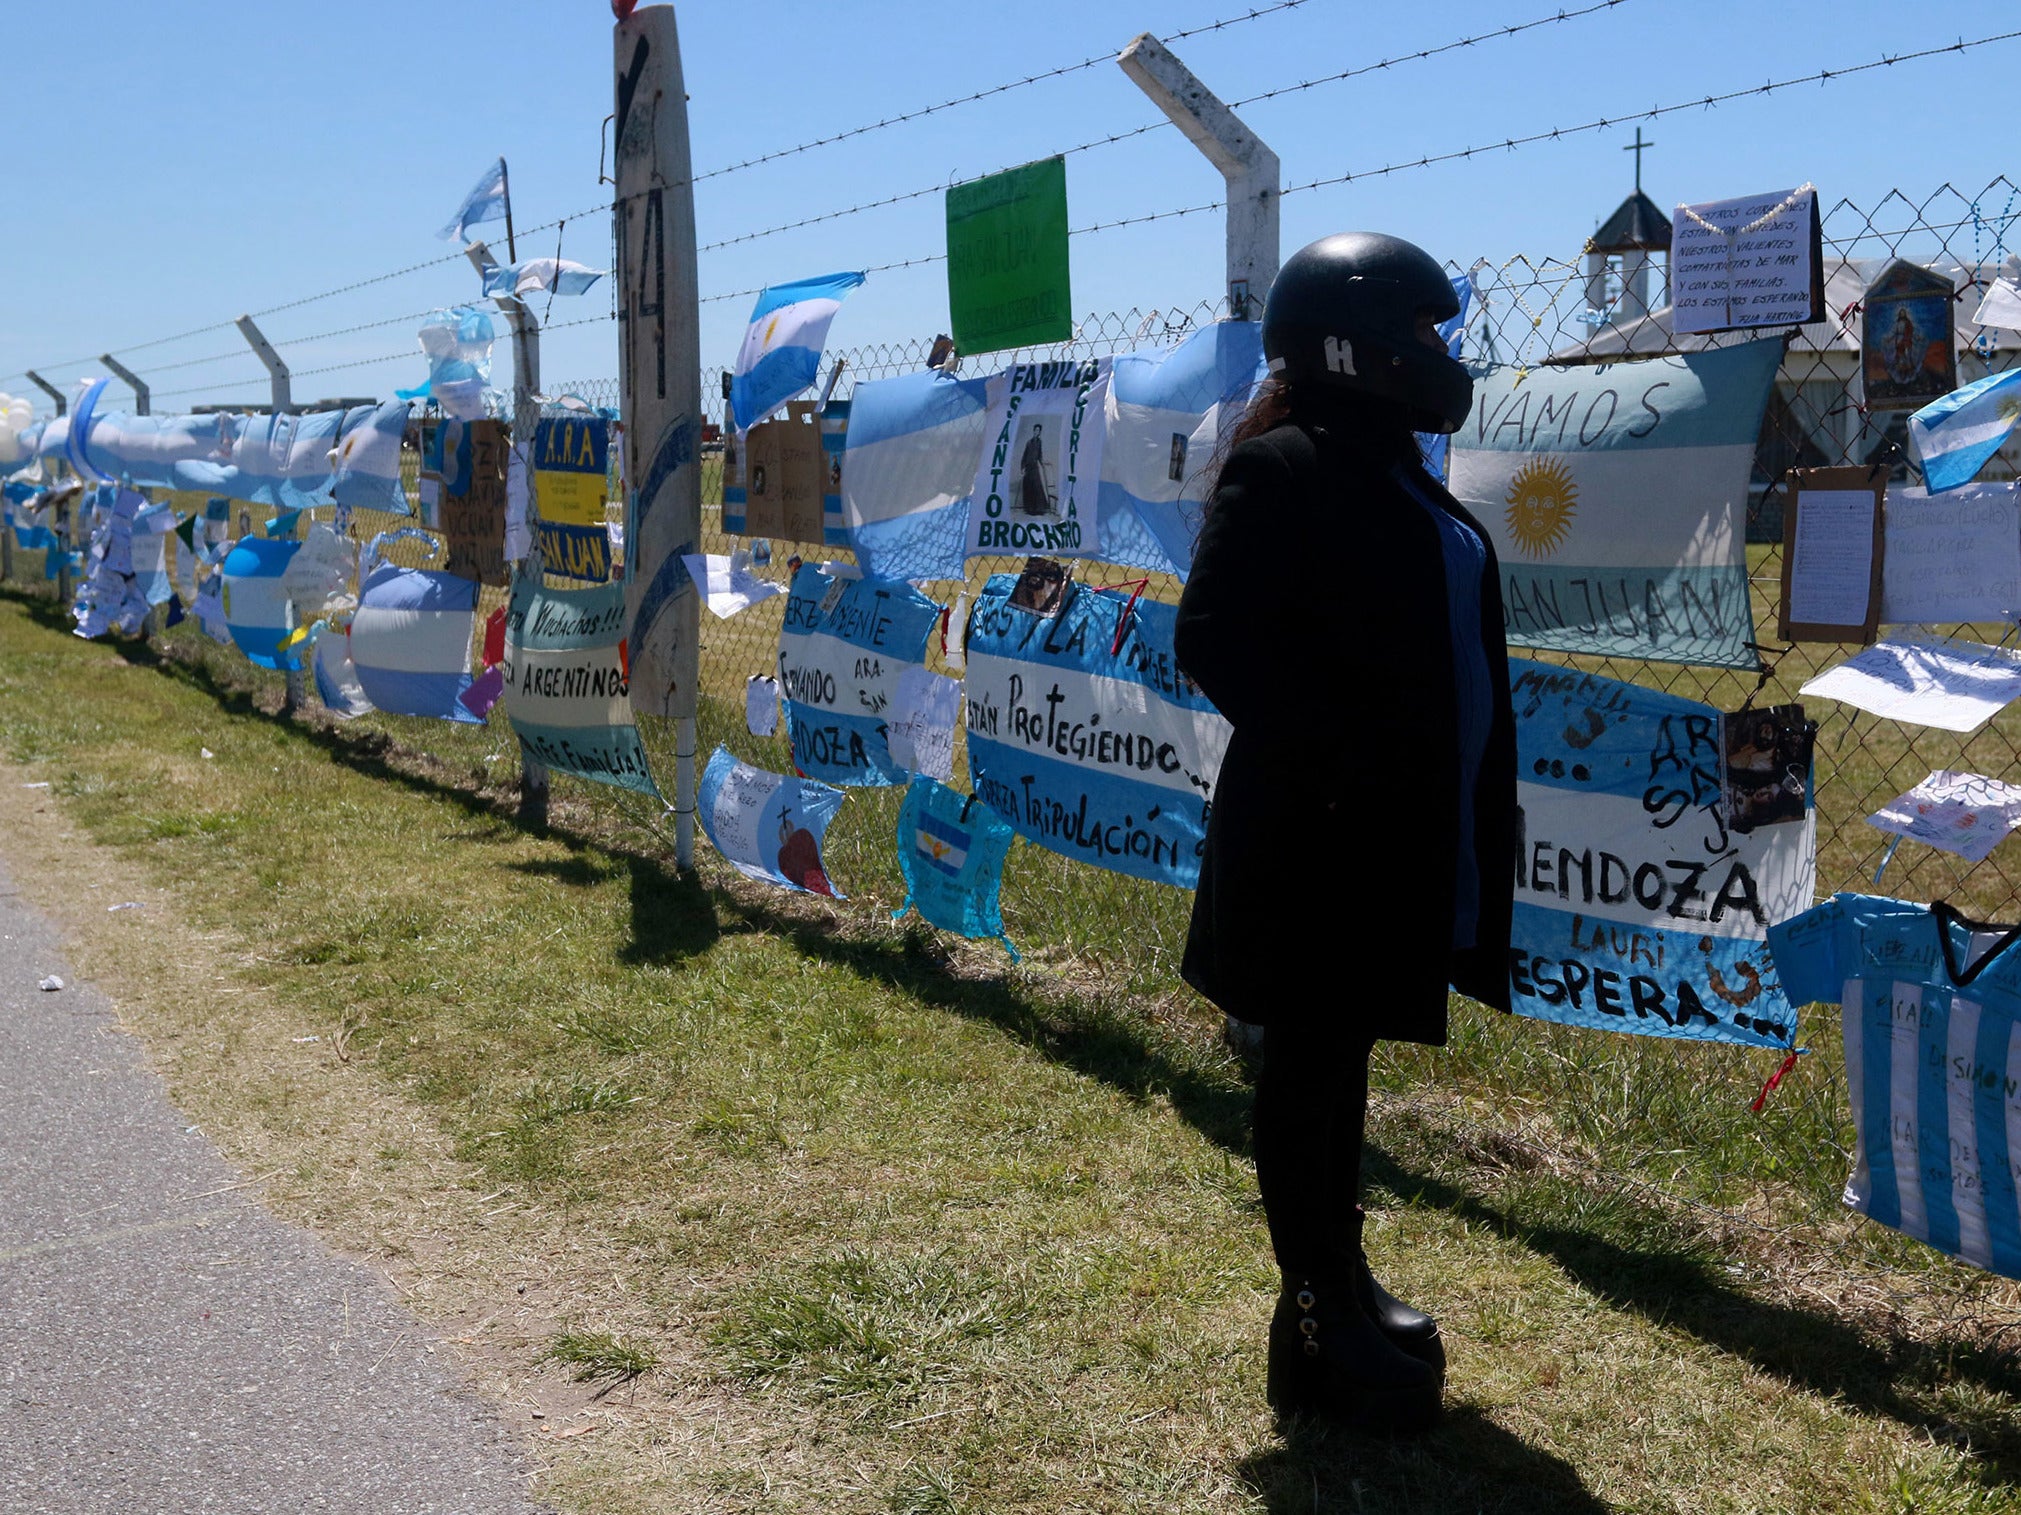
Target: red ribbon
[1123,620]
[1774,1079]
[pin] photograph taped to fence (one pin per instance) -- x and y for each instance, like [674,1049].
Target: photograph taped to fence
[1638,907]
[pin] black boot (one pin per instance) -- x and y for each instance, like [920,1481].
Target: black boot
[1412,1331]
[1328,1358]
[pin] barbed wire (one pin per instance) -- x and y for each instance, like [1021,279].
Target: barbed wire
[998,89]
[1821,77]
[1162,123]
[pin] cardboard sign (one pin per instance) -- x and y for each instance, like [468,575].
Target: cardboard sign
[1008,264]
[1835,525]
[785,477]
[1746,263]
[471,505]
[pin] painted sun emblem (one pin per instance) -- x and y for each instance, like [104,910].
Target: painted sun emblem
[1542,501]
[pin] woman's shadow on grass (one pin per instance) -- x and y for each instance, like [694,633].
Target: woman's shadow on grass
[1466,1462]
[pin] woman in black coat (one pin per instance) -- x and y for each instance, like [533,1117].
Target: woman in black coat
[1342,612]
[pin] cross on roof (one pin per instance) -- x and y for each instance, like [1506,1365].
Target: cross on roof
[1636,147]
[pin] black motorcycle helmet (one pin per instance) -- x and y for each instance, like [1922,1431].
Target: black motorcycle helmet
[1343,313]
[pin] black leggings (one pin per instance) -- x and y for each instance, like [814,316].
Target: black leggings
[1311,1114]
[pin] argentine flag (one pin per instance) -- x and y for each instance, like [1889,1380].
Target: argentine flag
[561,275]
[410,641]
[485,202]
[782,346]
[1955,436]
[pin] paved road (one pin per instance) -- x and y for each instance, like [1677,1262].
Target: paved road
[166,1345]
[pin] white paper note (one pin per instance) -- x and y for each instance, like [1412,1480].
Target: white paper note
[1925,681]
[1954,558]
[727,586]
[1832,559]
[761,704]
[924,712]
[1742,263]
[1965,813]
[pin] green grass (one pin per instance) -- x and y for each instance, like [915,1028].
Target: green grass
[591,1356]
[915,1230]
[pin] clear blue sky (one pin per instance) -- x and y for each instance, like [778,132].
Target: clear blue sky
[175,165]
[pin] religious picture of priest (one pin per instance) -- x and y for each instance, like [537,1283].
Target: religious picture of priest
[1035,448]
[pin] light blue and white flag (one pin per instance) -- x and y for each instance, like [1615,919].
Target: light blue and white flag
[1086,737]
[1168,409]
[560,276]
[842,650]
[457,344]
[485,202]
[908,472]
[1639,907]
[285,462]
[410,641]
[1616,499]
[80,428]
[1956,435]
[782,345]
[768,826]
[257,609]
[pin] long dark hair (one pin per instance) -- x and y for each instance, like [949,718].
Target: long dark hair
[1380,430]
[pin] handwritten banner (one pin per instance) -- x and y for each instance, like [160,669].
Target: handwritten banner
[842,651]
[1094,746]
[566,688]
[1616,498]
[1637,907]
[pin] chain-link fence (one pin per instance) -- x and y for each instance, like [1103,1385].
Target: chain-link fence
[1669,1120]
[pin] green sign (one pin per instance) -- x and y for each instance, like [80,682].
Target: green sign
[1007,280]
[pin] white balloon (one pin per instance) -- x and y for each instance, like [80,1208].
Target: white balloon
[10,447]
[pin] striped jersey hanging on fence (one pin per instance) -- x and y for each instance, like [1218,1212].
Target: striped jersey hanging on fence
[1933,1064]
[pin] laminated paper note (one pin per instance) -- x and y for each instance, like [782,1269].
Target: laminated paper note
[1925,681]
[1965,813]
[924,711]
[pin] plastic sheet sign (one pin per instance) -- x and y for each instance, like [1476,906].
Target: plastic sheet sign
[570,464]
[766,825]
[1039,486]
[842,650]
[1089,743]
[566,688]
[951,850]
[1008,268]
[1639,907]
